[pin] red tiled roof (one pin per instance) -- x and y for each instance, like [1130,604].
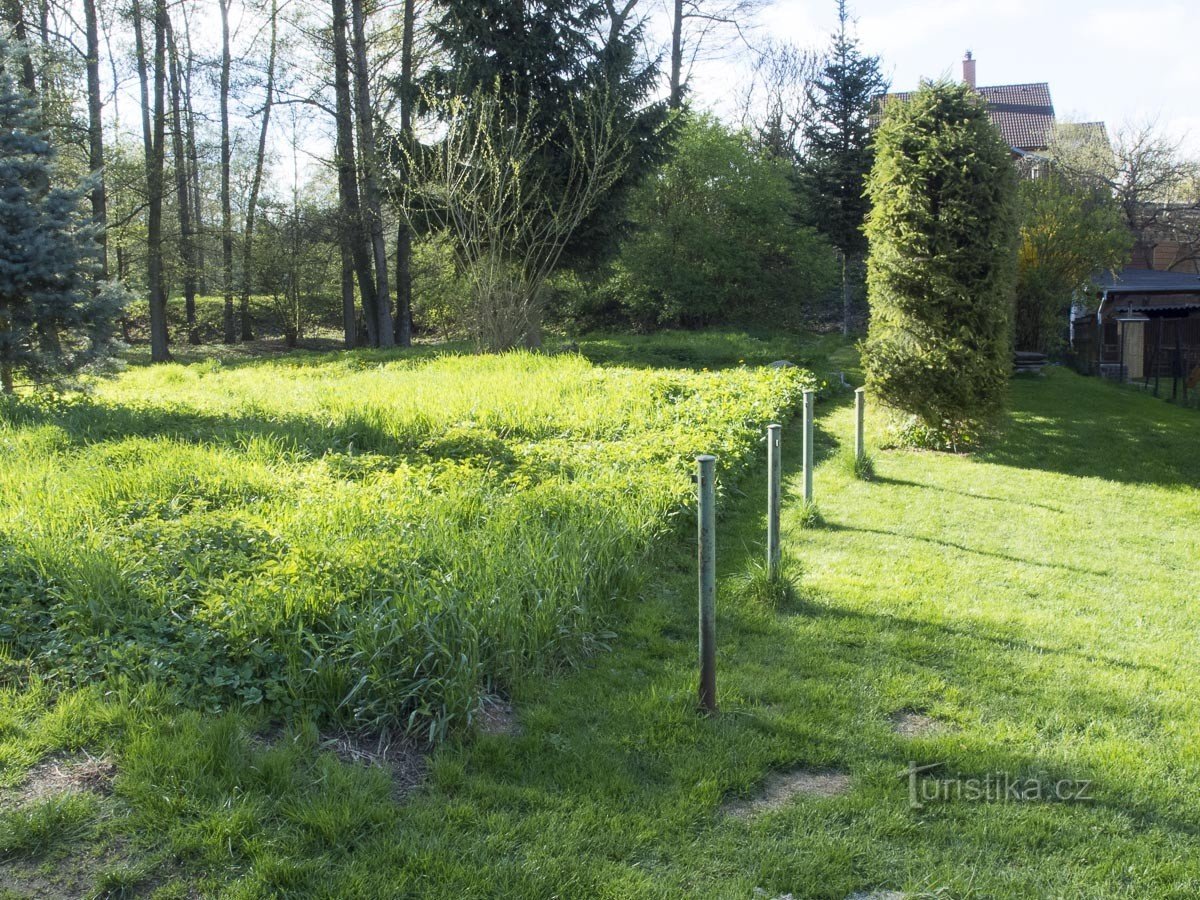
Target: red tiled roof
[1023,113]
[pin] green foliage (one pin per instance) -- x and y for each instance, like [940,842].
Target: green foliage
[860,467]
[942,232]
[757,587]
[439,293]
[31,830]
[716,239]
[974,589]
[54,316]
[808,514]
[837,139]
[369,540]
[1069,231]
[546,60]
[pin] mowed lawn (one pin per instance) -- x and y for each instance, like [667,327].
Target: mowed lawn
[1031,608]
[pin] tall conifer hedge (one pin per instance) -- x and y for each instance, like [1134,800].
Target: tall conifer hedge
[941,266]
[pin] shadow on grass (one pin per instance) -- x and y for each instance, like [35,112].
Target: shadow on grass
[963,548]
[988,498]
[1105,433]
[812,686]
[86,421]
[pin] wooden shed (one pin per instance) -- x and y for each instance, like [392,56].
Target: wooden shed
[1143,326]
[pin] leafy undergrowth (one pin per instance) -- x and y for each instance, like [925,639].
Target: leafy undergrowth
[1028,610]
[366,540]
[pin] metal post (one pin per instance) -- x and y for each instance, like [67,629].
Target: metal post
[707,560]
[808,446]
[774,477]
[860,406]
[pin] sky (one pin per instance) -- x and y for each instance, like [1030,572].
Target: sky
[1119,62]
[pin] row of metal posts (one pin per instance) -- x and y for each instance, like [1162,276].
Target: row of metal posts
[707,528]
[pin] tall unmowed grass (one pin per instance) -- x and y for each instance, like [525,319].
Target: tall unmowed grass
[365,539]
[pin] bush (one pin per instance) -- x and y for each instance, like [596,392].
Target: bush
[716,238]
[1069,231]
[373,540]
[942,232]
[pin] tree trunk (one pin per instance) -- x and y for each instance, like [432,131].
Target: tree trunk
[96,133]
[403,284]
[197,199]
[226,203]
[15,14]
[256,182]
[676,96]
[6,376]
[183,194]
[355,237]
[847,312]
[139,43]
[155,164]
[403,234]
[349,321]
[372,204]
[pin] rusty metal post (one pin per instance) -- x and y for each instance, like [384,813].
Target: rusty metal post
[774,491]
[860,406]
[809,403]
[707,562]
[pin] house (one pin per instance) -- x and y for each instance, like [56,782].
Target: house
[1145,327]
[1023,114]
[1170,239]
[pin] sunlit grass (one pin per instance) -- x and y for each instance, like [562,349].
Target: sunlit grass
[1036,600]
[371,539]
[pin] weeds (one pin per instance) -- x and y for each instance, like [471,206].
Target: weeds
[759,587]
[370,540]
[861,468]
[808,514]
[31,830]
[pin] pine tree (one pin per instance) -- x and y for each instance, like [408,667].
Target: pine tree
[533,54]
[837,138]
[940,273]
[55,316]
[554,64]
[545,59]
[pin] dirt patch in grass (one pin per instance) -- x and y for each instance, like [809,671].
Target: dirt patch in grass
[781,787]
[910,723]
[63,878]
[878,895]
[62,775]
[405,759]
[497,716]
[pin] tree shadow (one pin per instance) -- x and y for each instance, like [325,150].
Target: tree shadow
[1073,425]
[963,548]
[86,421]
[990,498]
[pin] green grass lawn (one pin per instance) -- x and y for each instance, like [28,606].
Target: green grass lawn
[1034,601]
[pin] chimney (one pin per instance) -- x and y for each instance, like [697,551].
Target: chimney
[969,70]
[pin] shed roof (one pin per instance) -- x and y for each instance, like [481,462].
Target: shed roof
[1148,281]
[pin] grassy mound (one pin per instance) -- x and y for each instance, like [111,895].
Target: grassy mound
[365,538]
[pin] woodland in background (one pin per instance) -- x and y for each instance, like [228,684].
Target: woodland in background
[432,167]
[371,171]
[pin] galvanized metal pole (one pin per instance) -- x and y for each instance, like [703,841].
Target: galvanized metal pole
[860,406]
[809,403]
[707,560]
[774,477]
